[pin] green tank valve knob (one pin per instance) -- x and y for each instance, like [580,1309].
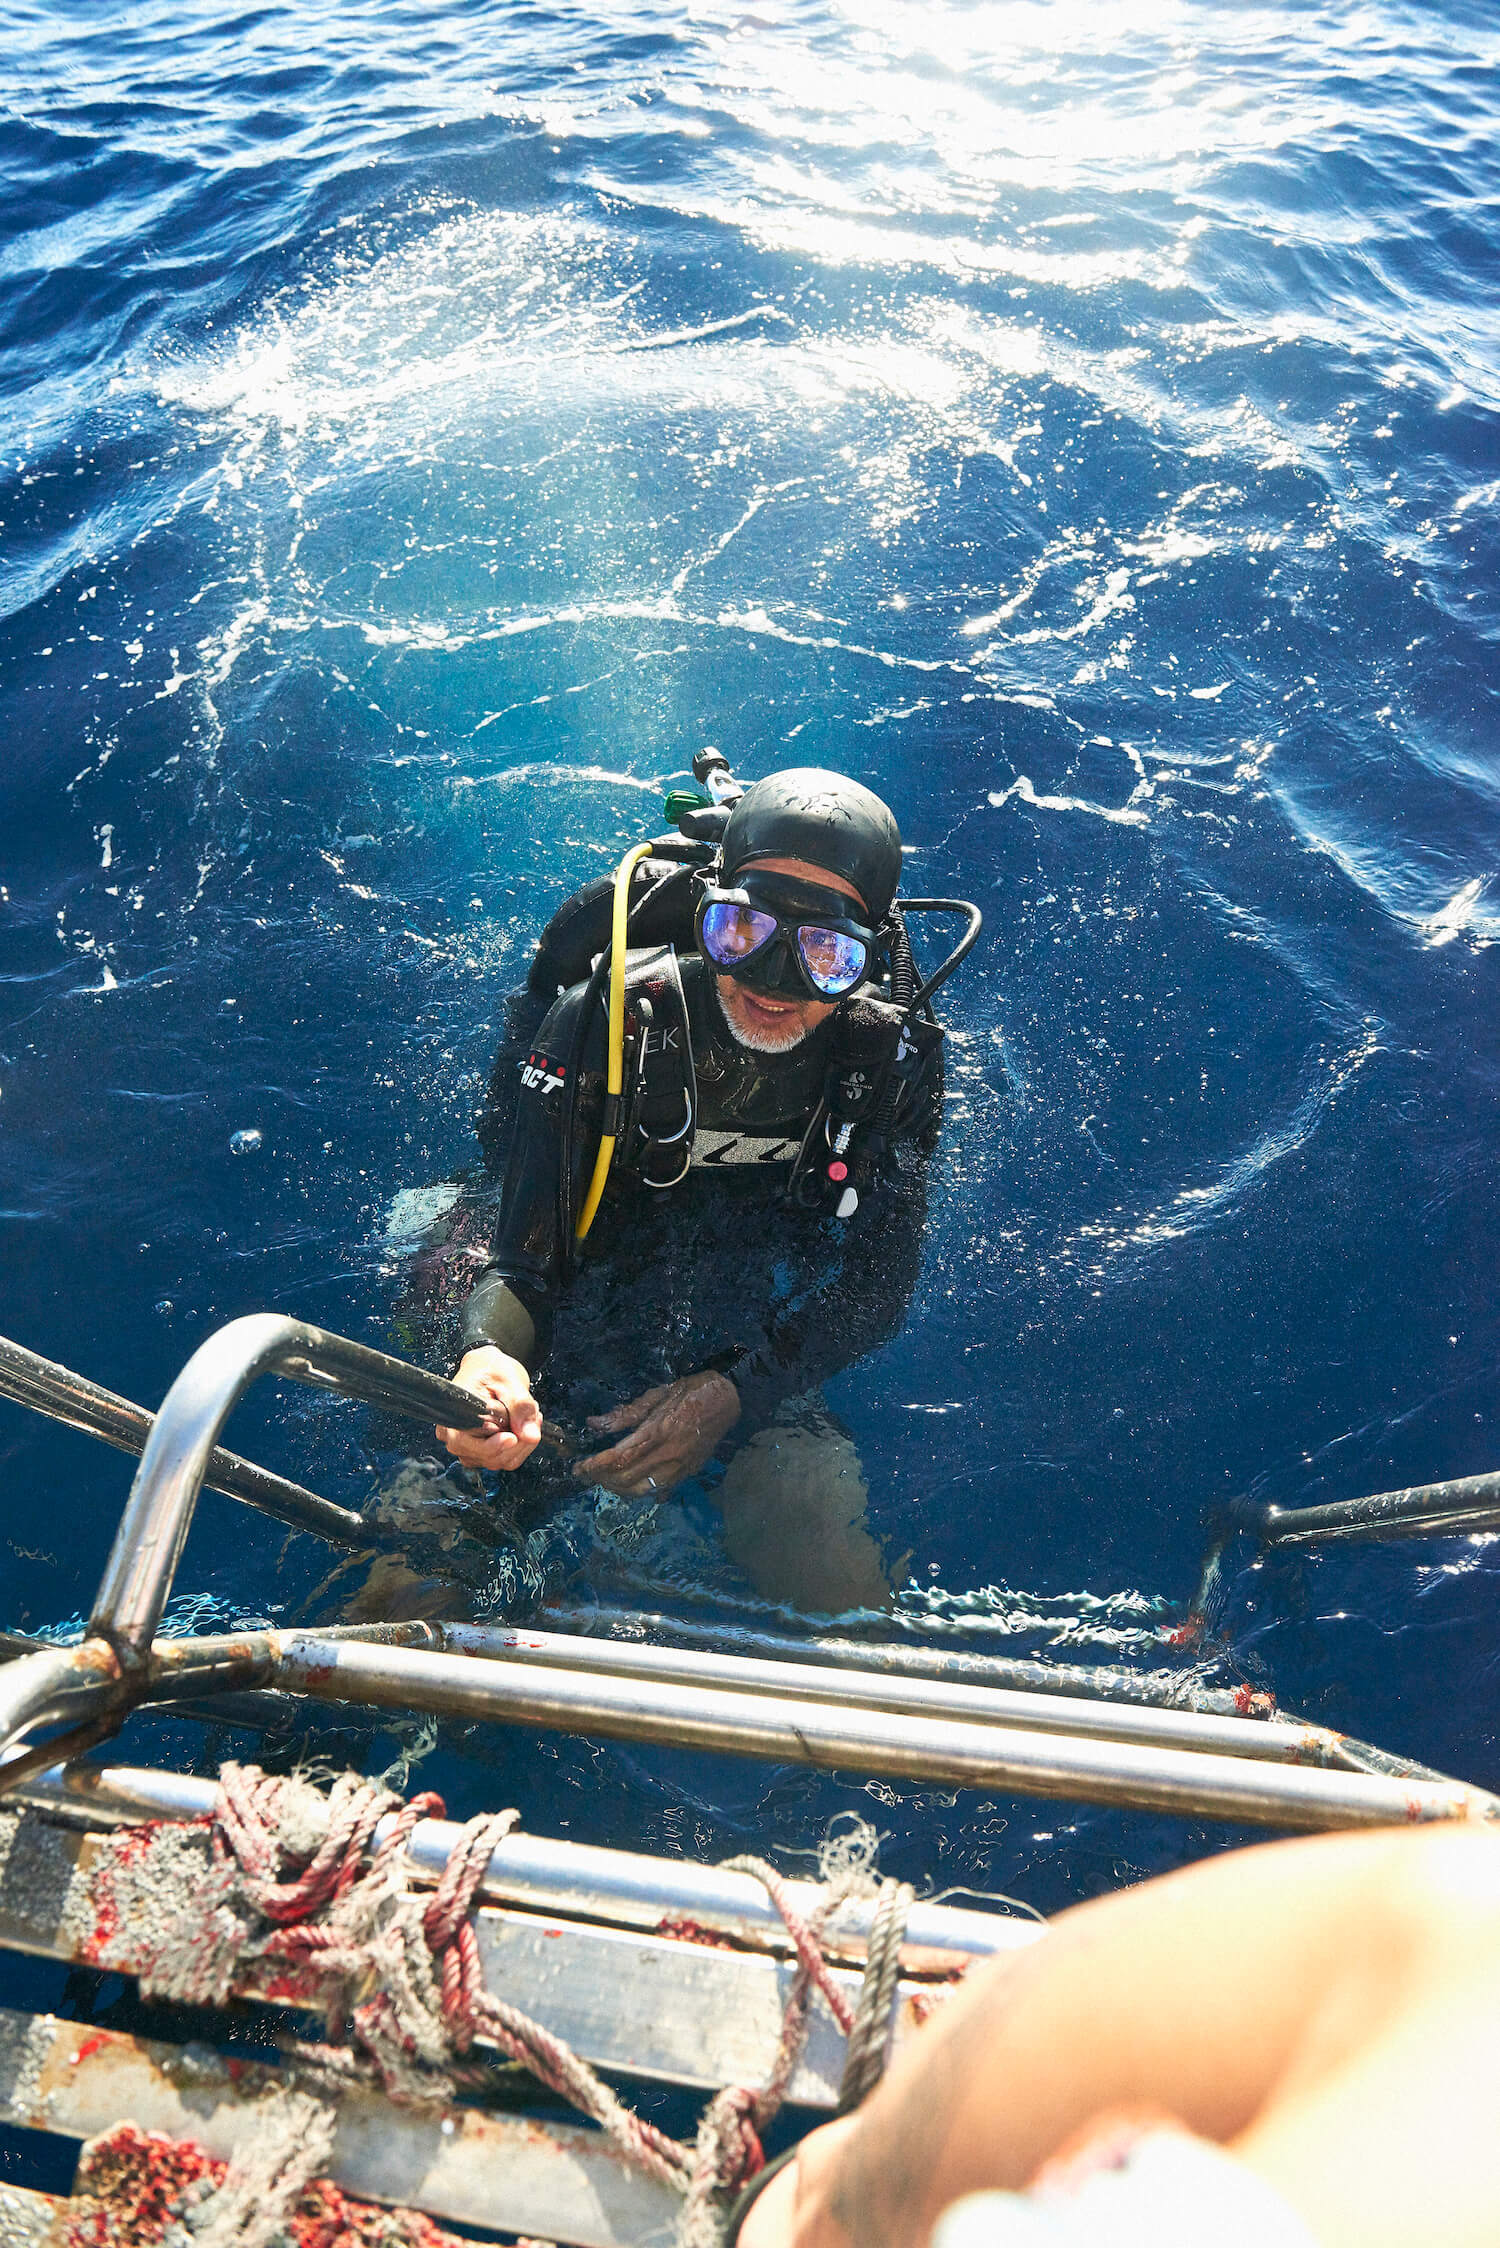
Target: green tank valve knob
[680,800]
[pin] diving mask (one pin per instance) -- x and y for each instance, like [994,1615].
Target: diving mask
[779,935]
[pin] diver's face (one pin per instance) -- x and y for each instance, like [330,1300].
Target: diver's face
[774,1025]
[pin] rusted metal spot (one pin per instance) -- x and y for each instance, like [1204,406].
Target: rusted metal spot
[682,1929]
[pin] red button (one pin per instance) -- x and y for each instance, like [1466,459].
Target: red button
[838,1170]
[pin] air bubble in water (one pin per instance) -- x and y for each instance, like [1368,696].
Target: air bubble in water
[247,1141]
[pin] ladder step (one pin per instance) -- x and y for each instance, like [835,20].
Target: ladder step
[500,2173]
[658,2007]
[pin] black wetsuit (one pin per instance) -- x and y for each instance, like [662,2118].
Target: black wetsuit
[720,1270]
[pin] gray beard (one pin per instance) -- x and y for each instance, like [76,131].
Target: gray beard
[763,1041]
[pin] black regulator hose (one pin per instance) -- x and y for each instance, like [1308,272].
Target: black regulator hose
[961,950]
[910,996]
[903,995]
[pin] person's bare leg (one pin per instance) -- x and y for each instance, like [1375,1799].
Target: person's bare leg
[1328,2009]
[793,1500]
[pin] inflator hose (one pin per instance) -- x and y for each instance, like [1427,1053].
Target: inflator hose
[614,1083]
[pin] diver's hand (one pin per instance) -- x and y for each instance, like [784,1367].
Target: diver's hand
[504,1384]
[672,1432]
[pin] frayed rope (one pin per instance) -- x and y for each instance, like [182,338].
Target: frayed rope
[295,1903]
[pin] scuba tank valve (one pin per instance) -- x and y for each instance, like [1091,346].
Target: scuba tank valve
[711,770]
[701,813]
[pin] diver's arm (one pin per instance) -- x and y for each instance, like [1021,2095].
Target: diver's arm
[512,1303]
[861,1305]
[507,1325]
[665,1435]
[499,1316]
[521,1016]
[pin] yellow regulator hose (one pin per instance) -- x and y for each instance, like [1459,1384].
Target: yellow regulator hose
[614,1083]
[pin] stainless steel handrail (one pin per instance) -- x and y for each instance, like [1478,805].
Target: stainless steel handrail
[45,1387]
[148,1544]
[954,1731]
[1251,1711]
[407,1667]
[56,1683]
[1155,1689]
[1465,1507]
[622,1888]
[1007,1758]
[1275,1740]
[90,1690]
[388,1667]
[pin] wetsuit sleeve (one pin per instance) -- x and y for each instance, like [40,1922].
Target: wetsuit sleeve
[860,1304]
[515,1295]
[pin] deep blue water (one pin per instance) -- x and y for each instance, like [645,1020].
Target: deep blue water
[423,426]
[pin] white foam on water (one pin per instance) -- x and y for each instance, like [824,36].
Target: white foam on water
[1408,893]
[413,1211]
[1464,915]
[1129,814]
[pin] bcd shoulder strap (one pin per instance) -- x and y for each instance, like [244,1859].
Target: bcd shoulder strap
[877,1056]
[659,1099]
[884,1074]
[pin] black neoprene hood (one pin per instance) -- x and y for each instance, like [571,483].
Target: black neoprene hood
[830,821]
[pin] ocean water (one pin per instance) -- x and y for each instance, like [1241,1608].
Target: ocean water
[421,427]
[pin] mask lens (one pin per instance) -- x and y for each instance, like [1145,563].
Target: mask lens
[733,932]
[834,963]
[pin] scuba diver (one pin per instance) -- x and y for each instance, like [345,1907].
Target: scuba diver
[728,1104]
